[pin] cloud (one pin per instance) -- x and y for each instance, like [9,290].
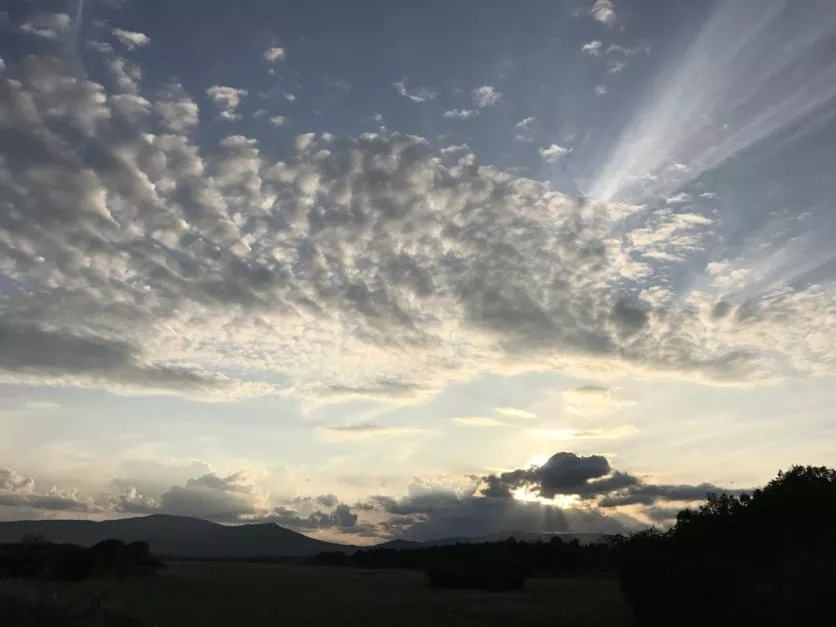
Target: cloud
[341,518]
[648,494]
[130,501]
[671,236]
[41,405]
[417,95]
[592,48]
[354,267]
[48,25]
[363,432]
[29,350]
[222,499]
[600,90]
[591,479]
[514,412]
[460,114]
[238,498]
[562,473]
[227,100]
[553,152]
[627,51]
[278,120]
[454,148]
[480,421]
[432,511]
[19,492]
[328,500]
[11,481]
[525,129]
[571,433]
[179,113]
[272,55]
[131,39]
[678,199]
[603,11]
[593,400]
[486,96]
[616,66]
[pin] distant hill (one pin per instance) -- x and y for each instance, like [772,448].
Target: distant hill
[177,536]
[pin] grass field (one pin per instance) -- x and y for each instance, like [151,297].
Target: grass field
[240,595]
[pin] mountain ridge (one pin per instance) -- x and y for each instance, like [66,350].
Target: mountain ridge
[177,536]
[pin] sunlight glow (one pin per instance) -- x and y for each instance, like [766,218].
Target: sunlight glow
[559,500]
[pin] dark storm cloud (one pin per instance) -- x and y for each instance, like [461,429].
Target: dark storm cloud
[562,473]
[591,478]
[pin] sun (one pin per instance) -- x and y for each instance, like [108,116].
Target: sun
[537,460]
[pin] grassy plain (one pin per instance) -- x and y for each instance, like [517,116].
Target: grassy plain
[200,594]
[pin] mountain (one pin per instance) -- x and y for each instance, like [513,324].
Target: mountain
[177,536]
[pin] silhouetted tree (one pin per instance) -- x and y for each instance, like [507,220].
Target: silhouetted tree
[38,559]
[764,559]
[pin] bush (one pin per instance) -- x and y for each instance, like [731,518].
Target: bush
[768,559]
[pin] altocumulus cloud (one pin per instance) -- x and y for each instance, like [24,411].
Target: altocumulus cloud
[137,260]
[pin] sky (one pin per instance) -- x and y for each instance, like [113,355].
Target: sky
[374,269]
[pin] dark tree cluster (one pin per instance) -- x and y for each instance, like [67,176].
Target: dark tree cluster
[489,565]
[765,559]
[35,559]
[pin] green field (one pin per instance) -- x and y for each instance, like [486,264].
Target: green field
[240,595]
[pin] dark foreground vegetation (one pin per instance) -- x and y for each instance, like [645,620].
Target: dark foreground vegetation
[764,559]
[493,566]
[36,559]
[236,594]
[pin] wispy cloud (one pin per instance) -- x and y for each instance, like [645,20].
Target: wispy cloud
[416,94]
[460,114]
[515,412]
[553,152]
[131,39]
[479,421]
[364,432]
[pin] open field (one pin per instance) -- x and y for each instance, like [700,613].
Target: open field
[241,595]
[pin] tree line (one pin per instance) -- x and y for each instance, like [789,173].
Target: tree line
[34,558]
